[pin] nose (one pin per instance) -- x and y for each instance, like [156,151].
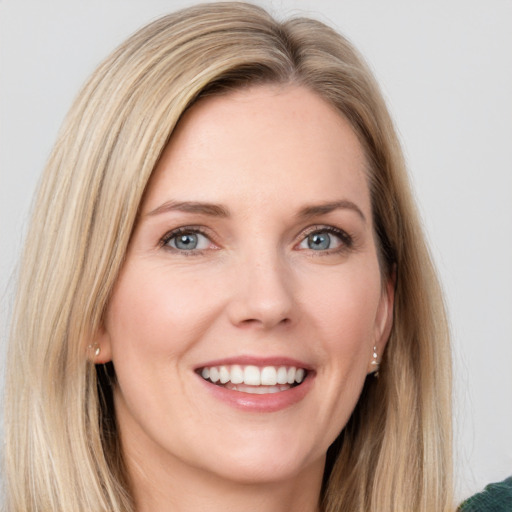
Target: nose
[262,294]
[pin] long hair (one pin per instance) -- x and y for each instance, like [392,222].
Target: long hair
[62,451]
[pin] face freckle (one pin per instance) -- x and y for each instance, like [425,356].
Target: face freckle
[254,252]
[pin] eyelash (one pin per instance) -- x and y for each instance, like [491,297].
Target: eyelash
[346,240]
[185,230]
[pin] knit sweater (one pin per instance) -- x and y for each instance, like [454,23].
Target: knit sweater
[494,498]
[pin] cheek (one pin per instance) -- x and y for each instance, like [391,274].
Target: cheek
[345,311]
[153,320]
[340,312]
[345,306]
[152,312]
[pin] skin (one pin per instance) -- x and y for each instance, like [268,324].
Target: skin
[254,287]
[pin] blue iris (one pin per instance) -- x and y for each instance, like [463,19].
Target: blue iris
[186,241]
[319,241]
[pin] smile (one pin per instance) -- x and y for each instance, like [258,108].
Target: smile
[254,379]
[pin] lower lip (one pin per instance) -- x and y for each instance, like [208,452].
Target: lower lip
[269,402]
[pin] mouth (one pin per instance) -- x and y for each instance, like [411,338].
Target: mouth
[253,379]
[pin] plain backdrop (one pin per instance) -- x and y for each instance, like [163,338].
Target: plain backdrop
[445,67]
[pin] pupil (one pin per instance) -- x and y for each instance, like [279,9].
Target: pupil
[318,241]
[186,241]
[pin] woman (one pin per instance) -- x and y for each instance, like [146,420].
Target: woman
[224,251]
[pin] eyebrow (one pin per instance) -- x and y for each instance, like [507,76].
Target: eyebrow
[217,210]
[213,210]
[325,208]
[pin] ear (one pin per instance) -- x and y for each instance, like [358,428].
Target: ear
[100,349]
[383,320]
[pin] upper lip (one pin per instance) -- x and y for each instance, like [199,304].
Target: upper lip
[246,360]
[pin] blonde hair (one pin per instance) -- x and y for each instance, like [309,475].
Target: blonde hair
[62,452]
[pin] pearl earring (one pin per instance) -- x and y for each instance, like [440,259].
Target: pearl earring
[96,348]
[375,363]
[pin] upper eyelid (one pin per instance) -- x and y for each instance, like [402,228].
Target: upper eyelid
[169,235]
[320,227]
[324,227]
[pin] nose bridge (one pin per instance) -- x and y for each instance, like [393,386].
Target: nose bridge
[263,288]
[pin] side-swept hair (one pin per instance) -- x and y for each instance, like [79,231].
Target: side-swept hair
[62,452]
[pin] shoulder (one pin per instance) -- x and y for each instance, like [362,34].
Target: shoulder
[494,498]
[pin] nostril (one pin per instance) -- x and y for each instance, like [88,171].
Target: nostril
[250,321]
[255,322]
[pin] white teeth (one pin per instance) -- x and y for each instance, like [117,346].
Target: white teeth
[269,379]
[252,376]
[224,375]
[268,376]
[282,375]
[214,374]
[257,390]
[237,374]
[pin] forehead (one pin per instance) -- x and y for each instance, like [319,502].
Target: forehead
[258,145]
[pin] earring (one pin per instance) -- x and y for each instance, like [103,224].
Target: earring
[375,363]
[96,348]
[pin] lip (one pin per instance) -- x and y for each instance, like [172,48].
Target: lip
[270,402]
[256,361]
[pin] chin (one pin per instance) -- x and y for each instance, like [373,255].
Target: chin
[263,462]
[261,470]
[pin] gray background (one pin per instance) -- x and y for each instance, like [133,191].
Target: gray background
[446,70]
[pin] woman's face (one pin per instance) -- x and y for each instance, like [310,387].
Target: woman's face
[253,261]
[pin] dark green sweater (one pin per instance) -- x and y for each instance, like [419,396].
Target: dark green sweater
[494,498]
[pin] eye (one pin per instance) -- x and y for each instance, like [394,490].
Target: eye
[325,239]
[186,240]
